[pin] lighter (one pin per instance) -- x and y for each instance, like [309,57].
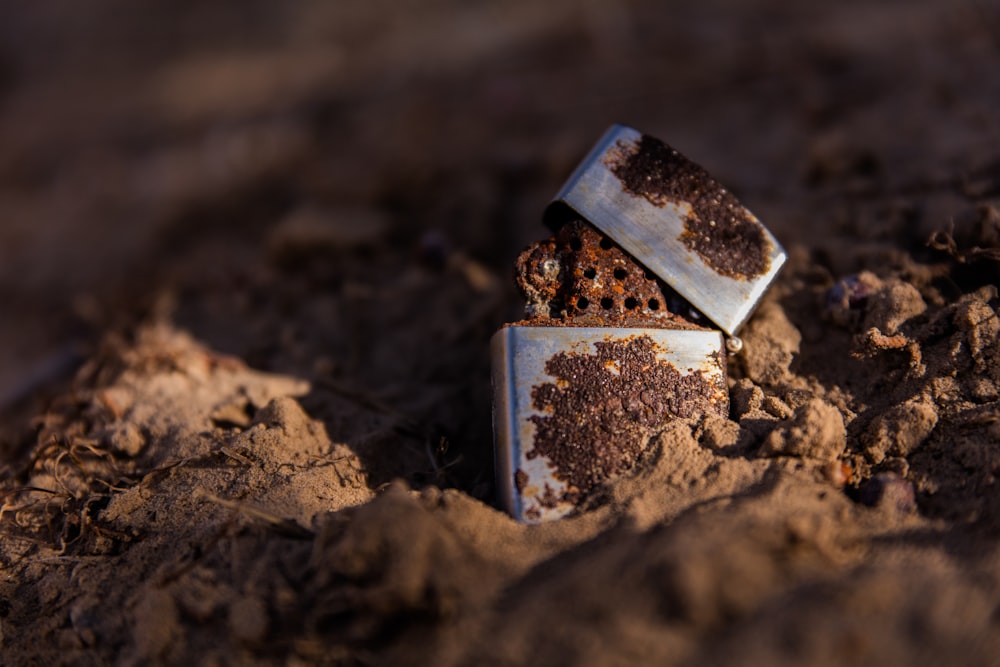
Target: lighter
[648,251]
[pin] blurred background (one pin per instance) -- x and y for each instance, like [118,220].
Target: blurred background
[339,189]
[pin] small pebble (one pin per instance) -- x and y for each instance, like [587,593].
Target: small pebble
[849,291]
[848,299]
[888,490]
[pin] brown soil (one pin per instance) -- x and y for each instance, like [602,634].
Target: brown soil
[251,257]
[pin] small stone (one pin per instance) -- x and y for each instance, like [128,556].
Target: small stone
[846,300]
[888,491]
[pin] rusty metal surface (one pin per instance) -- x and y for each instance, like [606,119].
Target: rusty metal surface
[650,252]
[575,407]
[676,220]
[582,277]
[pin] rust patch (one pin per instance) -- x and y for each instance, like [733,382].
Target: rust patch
[520,480]
[580,277]
[548,499]
[720,229]
[597,421]
[538,272]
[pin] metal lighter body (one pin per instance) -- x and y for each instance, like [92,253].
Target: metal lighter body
[574,407]
[648,251]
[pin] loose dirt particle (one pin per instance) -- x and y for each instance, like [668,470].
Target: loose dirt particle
[771,344]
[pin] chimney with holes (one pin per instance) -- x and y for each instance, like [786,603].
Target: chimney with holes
[629,304]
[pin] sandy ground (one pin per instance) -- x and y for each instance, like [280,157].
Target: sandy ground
[251,255]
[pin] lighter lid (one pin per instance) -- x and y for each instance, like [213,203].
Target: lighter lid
[678,221]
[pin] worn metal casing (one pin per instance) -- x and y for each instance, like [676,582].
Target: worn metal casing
[575,407]
[678,221]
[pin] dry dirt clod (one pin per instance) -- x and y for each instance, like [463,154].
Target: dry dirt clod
[891,306]
[900,430]
[816,431]
[746,398]
[771,344]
